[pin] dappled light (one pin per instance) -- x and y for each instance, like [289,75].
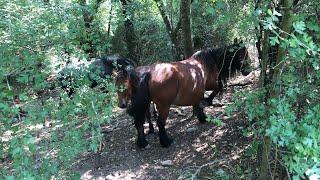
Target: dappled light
[194,145]
[159,89]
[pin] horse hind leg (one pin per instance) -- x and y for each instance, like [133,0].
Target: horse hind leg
[165,141]
[198,111]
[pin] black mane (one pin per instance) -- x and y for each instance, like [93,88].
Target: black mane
[227,59]
[111,62]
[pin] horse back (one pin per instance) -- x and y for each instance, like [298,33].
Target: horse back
[180,83]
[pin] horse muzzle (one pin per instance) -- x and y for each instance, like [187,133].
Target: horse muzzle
[123,104]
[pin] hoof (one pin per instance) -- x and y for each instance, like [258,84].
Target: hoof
[142,143]
[166,143]
[202,121]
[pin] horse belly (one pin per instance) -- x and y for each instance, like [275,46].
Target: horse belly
[188,96]
[190,101]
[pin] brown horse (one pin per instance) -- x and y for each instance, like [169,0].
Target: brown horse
[128,79]
[182,83]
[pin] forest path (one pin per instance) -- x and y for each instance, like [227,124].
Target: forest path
[206,150]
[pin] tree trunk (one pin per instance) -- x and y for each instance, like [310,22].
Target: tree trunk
[109,21]
[285,25]
[173,32]
[130,36]
[186,28]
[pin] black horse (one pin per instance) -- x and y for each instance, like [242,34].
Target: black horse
[223,56]
[91,73]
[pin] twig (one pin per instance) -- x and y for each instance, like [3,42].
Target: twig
[8,84]
[288,174]
[275,164]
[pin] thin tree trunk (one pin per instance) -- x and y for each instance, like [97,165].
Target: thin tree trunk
[130,36]
[186,28]
[109,20]
[281,53]
[264,60]
[286,27]
[259,32]
[173,32]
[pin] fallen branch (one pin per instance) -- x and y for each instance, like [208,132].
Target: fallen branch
[241,84]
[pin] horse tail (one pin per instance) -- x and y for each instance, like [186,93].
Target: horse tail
[141,99]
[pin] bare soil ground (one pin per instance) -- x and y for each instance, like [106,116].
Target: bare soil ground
[202,151]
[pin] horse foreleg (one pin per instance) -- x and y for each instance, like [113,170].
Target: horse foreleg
[141,141]
[165,141]
[154,109]
[198,111]
[209,99]
[148,116]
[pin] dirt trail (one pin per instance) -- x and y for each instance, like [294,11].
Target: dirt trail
[220,150]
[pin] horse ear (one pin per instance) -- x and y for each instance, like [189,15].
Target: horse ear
[131,62]
[129,68]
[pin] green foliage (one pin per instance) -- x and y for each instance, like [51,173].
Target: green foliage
[215,120]
[291,119]
[41,136]
[222,22]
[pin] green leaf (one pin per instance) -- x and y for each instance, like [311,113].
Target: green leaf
[274,40]
[10,178]
[299,27]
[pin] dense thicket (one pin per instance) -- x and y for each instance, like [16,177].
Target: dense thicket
[42,130]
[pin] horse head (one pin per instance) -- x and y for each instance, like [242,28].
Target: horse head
[127,81]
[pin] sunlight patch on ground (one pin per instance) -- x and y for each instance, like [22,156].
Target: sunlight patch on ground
[202,147]
[7,136]
[121,174]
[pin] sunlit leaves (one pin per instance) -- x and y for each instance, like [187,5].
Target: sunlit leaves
[299,26]
[291,119]
[274,40]
[54,130]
